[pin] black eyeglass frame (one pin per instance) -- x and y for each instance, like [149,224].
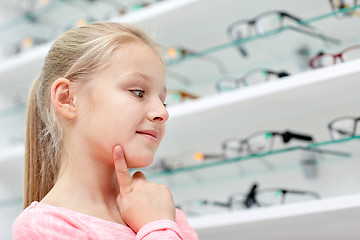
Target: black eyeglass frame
[247,201]
[242,79]
[332,129]
[252,24]
[286,136]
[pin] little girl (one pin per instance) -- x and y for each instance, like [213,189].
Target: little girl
[96,109]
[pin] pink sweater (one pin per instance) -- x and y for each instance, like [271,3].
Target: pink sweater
[43,221]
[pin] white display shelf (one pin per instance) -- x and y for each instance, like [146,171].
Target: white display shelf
[324,79]
[303,94]
[15,82]
[331,219]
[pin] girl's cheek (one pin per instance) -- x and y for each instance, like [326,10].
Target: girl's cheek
[162,132]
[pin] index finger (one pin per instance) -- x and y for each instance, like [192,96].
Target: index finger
[122,172]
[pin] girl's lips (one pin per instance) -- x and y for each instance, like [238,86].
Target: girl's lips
[149,133]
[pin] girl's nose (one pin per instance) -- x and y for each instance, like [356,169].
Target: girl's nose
[159,112]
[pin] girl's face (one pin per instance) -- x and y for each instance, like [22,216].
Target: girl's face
[124,104]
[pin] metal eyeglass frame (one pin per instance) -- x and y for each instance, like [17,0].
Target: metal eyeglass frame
[249,200]
[252,23]
[350,134]
[242,79]
[184,52]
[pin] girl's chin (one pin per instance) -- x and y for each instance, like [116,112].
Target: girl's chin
[139,161]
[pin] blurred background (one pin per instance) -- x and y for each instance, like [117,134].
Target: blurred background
[263,102]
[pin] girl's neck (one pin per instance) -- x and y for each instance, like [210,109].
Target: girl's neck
[88,186]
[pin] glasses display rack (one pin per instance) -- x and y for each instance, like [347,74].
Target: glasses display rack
[306,100]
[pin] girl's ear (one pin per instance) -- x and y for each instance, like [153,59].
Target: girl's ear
[62,98]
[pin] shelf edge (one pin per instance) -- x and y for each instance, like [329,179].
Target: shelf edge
[276,212]
[264,89]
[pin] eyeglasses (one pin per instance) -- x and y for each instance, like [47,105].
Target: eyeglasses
[327,59]
[177,53]
[343,127]
[254,198]
[269,23]
[337,5]
[258,143]
[250,78]
[179,77]
[176,95]
[266,197]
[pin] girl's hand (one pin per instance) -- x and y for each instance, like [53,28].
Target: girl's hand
[140,202]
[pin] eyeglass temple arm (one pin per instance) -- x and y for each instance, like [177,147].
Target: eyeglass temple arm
[287,136]
[241,49]
[300,192]
[180,77]
[325,151]
[291,16]
[301,22]
[251,197]
[217,203]
[298,20]
[220,65]
[317,35]
[279,74]
[283,74]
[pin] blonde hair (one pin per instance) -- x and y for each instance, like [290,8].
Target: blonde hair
[75,55]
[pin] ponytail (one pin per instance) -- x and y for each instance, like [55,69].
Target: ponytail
[39,177]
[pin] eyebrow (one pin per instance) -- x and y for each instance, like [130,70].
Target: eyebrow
[144,76]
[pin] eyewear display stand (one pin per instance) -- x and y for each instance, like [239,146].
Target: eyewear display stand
[331,218]
[202,124]
[292,152]
[253,38]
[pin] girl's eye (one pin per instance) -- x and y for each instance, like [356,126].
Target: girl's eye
[138,93]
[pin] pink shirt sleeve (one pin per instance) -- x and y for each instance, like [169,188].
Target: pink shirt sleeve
[169,230]
[35,225]
[41,221]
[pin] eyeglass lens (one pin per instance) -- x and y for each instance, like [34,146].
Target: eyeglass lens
[258,143]
[343,128]
[228,83]
[341,4]
[351,53]
[263,23]
[268,22]
[256,77]
[234,148]
[261,142]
